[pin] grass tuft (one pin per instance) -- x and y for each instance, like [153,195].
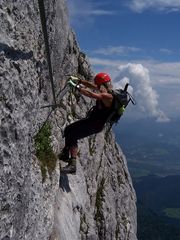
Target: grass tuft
[44,151]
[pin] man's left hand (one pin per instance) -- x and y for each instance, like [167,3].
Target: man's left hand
[75,79]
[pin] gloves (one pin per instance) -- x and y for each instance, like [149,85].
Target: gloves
[73,84]
[75,79]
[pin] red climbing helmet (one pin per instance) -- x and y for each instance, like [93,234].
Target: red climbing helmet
[101,78]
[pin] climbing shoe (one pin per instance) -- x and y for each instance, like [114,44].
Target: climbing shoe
[64,155]
[70,168]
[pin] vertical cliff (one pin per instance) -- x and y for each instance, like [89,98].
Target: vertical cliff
[35,201]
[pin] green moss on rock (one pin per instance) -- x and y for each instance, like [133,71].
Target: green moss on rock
[44,151]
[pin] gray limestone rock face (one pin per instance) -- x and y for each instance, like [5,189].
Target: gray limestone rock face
[26,209]
[99,201]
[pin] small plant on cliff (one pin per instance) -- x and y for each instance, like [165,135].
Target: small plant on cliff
[44,151]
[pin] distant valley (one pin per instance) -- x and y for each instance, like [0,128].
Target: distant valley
[153,154]
[158,205]
[150,147]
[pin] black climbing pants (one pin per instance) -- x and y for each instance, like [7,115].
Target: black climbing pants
[81,129]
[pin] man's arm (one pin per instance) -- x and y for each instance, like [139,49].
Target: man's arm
[98,96]
[86,92]
[89,84]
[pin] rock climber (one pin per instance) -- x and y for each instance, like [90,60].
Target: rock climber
[94,121]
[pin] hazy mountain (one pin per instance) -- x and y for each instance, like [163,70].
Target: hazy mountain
[151,147]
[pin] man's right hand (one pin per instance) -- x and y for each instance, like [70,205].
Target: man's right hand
[74,85]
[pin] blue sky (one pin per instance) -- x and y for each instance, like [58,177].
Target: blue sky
[115,33]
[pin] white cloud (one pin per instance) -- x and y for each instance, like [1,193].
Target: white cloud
[119,50]
[166,51]
[160,5]
[104,62]
[161,73]
[138,77]
[83,11]
[97,12]
[164,73]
